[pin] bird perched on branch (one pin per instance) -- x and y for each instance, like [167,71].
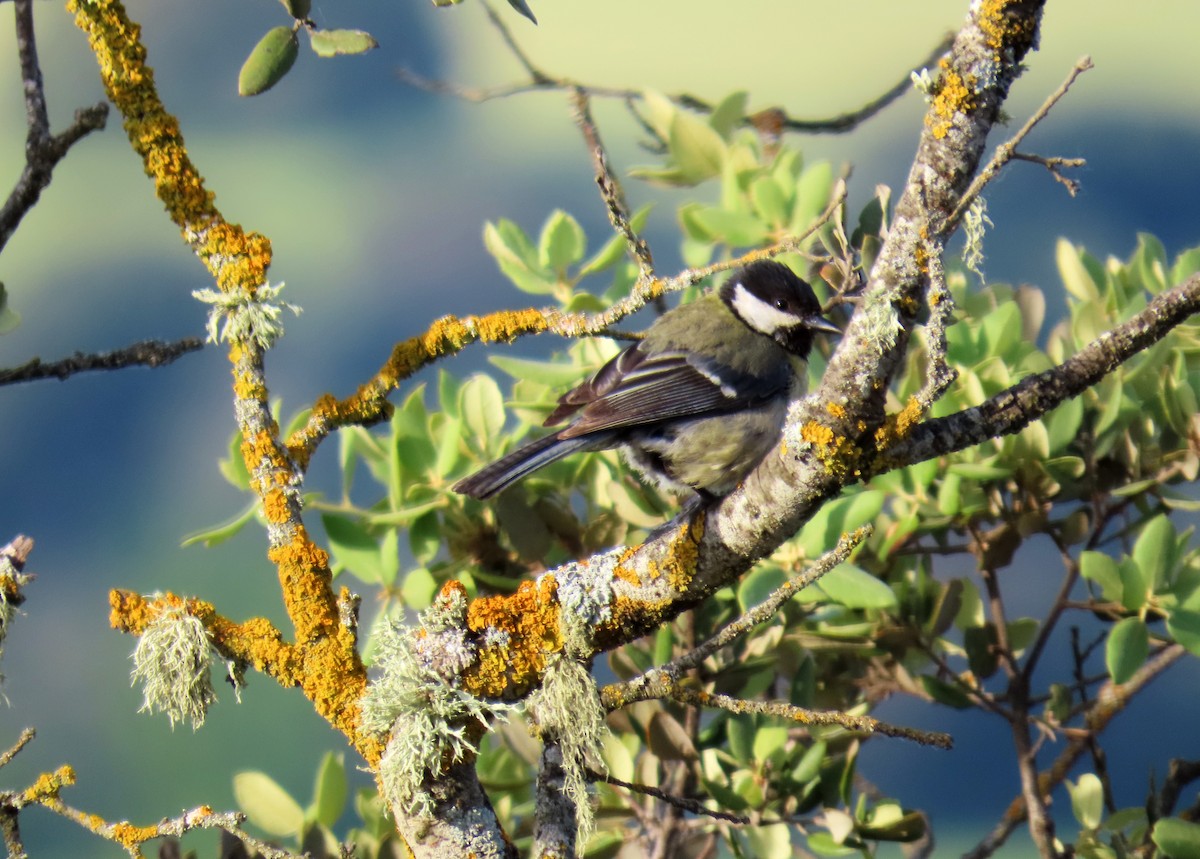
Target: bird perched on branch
[699,400]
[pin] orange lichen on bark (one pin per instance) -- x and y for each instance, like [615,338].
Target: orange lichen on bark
[517,633]
[234,258]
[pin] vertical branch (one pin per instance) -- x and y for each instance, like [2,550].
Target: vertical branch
[331,673]
[554,830]
[42,150]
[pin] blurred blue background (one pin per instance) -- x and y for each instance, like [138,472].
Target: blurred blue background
[374,196]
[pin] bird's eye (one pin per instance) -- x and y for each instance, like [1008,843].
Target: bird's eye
[781,304]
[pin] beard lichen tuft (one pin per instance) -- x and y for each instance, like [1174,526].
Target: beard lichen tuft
[173,663]
[429,722]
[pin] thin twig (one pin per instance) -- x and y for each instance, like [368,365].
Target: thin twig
[25,739]
[689,805]
[1111,700]
[641,688]
[1005,151]
[43,150]
[802,715]
[149,353]
[539,81]
[610,186]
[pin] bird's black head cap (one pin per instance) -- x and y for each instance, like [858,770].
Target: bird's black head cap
[772,300]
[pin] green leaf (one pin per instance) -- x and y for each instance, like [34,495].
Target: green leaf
[419,588]
[728,113]
[769,201]
[267,805]
[768,740]
[945,693]
[482,407]
[1075,276]
[516,257]
[838,517]
[769,842]
[553,374]
[696,147]
[1184,626]
[736,229]
[1134,588]
[269,61]
[1063,424]
[854,587]
[1087,800]
[332,43]
[1178,839]
[759,584]
[298,9]
[614,249]
[562,243]
[233,467]
[809,766]
[218,534]
[354,547]
[330,790]
[1100,568]
[1154,551]
[1126,649]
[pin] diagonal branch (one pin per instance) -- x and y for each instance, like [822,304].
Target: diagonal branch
[1013,409]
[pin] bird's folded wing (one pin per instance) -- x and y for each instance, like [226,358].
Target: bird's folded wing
[664,387]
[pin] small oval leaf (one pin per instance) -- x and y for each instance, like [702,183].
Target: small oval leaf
[267,805]
[332,43]
[270,60]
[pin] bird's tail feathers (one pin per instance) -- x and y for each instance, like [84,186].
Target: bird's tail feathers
[520,463]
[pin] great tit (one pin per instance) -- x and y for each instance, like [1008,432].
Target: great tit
[699,400]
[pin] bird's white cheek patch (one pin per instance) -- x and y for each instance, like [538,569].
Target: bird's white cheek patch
[758,314]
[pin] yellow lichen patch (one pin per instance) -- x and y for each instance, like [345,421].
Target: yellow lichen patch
[48,785]
[836,410]
[625,571]
[517,632]
[1000,29]
[816,434]
[838,453]
[130,836]
[897,427]
[248,387]
[954,96]
[680,562]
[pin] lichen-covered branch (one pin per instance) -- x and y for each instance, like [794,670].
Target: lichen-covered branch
[329,669]
[1034,396]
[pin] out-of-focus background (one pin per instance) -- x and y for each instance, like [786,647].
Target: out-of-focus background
[374,196]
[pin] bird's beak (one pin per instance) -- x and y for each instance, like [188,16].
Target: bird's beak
[816,322]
